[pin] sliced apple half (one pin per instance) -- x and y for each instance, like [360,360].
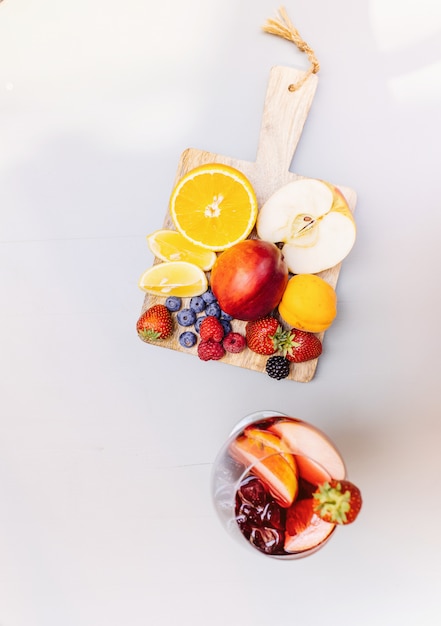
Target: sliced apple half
[311,471]
[315,454]
[279,475]
[313,221]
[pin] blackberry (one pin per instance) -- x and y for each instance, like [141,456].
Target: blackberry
[277,367]
[187,339]
[197,304]
[173,303]
[186,317]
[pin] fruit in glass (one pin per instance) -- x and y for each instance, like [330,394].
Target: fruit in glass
[264,480]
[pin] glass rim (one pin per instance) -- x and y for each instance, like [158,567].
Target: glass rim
[229,472]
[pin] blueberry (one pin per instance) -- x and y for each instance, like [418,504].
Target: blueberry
[226,316]
[213,309]
[197,304]
[198,322]
[187,339]
[186,317]
[173,303]
[209,296]
[227,326]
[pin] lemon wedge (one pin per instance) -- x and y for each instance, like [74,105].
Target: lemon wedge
[174,278]
[170,245]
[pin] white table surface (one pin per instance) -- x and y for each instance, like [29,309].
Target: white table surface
[106,444]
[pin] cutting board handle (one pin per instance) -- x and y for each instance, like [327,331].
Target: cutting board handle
[283,118]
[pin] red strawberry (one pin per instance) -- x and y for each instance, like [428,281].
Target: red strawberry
[298,516]
[301,346]
[265,335]
[211,328]
[234,342]
[155,323]
[210,350]
[337,501]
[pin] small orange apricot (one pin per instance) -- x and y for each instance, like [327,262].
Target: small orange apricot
[308,303]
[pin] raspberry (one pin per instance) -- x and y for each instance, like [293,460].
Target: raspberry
[210,350]
[277,367]
[234,342]
[211,328]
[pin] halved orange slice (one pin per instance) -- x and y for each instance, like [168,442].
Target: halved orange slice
[176,278]
[169,245]
[214,206]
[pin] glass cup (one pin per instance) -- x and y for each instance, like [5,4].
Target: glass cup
[263,480]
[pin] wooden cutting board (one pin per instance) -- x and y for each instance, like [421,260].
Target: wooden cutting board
[284,115]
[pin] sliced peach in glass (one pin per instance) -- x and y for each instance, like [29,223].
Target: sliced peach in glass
[272,441]
[262,461]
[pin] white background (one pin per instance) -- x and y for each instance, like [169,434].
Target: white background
[106,443]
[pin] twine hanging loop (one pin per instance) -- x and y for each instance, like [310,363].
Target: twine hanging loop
[283,27]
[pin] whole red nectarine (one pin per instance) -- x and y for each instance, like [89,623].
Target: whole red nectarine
[249,279]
